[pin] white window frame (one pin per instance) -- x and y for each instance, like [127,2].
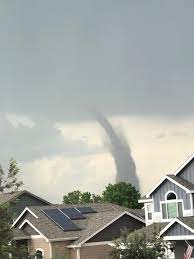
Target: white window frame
[147,212]
[170,201]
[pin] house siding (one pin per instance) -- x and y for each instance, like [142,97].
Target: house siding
[41,243]
[96,252]
[188,172]
[177,230]
[114,230]
[159,195]
[59,250]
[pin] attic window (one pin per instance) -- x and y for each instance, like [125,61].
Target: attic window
[171,196]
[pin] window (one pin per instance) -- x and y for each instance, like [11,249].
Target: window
[172,207]
[149,211]
[39,253]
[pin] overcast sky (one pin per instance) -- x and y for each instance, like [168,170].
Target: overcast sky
[131,60]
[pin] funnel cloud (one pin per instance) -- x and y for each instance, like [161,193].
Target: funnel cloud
[121,152]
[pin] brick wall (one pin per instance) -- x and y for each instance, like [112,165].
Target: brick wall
[35,243]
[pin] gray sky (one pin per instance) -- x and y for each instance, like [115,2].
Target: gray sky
[132,60]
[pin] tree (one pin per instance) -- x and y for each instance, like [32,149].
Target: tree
[78,197]
[137,246]
[9,180]
[123,194]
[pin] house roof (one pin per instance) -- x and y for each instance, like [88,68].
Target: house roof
[187,186]
[182,182]
[106,213]
[12,196]
[180,168]
[179,181]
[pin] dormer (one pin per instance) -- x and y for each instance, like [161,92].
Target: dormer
[172,197]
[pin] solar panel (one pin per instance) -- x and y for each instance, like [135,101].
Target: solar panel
[60,219]
[86,210]
[73,213]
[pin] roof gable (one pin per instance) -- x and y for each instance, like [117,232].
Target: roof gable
[177,227]
[185,164]
[13,196]
[182,183]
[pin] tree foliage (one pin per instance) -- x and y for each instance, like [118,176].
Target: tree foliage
[78,197]
[136,246]
[123,194]
[9,180]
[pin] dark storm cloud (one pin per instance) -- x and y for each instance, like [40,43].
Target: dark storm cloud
[121,152]
[125,57]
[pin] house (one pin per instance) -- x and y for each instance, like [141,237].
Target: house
[20,199]
[77,231]
[169,207]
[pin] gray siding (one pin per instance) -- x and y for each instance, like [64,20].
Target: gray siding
[159,195]
[114,230]
[188,172]
[177,230]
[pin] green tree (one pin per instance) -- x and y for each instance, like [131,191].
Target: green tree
[9,180]
[137,246]
[123,194]
[78,197]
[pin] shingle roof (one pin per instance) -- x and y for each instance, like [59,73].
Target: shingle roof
[182,181]
[95,221]
[12,196]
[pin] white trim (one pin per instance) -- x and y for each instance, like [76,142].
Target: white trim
[191,203]
[145,200]
[78,253]
[122,214]
[170,192]
[22,213]
[50,250]
[36,236]
[175,221]
[184,164]
[166,177]
[63,239]
[171,201]
[98,243]
[189,237]
[30,224]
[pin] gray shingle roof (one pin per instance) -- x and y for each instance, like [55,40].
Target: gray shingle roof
[182,181]
[95,221]
[12,196]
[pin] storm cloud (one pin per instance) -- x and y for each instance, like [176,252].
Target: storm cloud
[125,57]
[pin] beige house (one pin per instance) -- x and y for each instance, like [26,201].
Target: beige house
[74,231]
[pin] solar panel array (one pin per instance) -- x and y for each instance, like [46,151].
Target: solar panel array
[86,210]
[73,213]
[63,217]
[60,219]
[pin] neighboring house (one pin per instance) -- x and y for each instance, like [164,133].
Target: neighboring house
[19,200]
[169,207]
[78,231]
